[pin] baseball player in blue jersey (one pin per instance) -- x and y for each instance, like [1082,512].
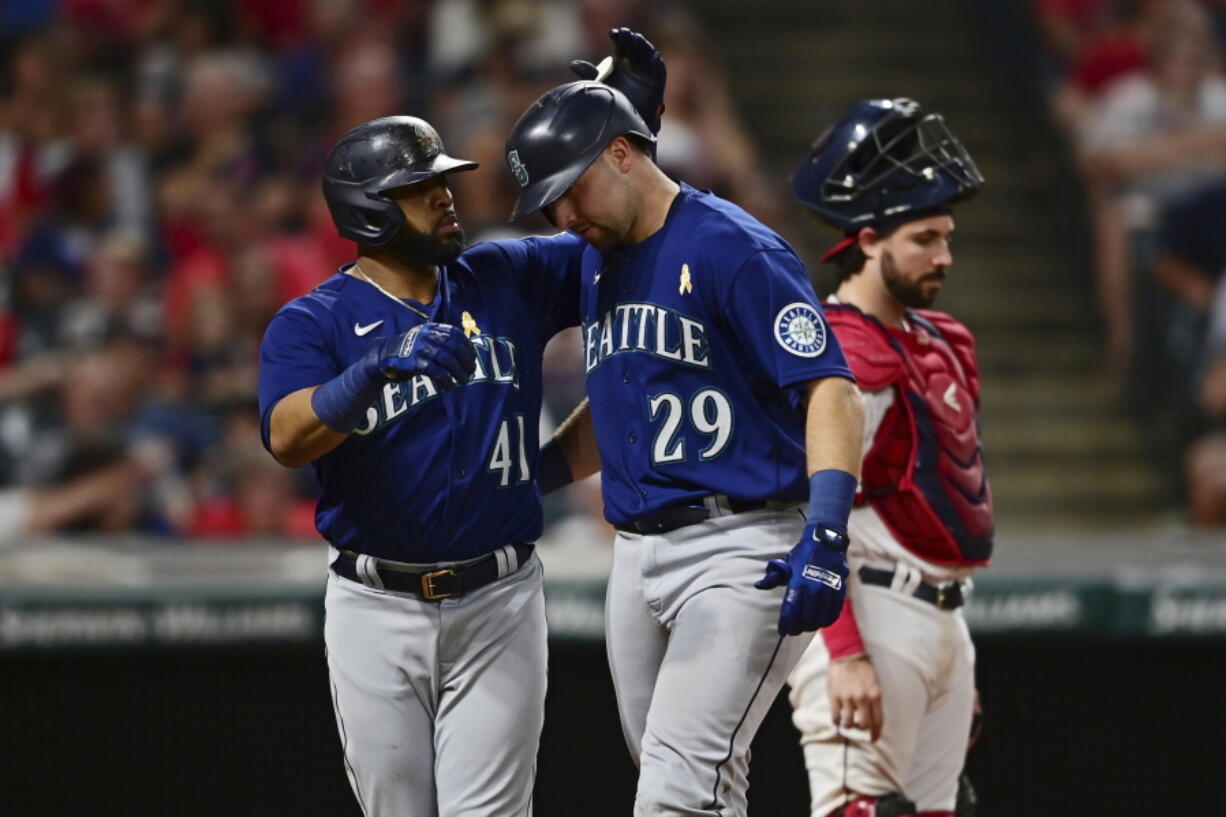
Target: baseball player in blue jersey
[411,381]
[727,427]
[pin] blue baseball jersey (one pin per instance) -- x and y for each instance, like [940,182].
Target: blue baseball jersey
[698,345]
[433,475]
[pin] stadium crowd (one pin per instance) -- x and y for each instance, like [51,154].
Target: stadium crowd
[159,200]
[1138,91]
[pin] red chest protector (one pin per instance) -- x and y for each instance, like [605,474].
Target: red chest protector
[924,473]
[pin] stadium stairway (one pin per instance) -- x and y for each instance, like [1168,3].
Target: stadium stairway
[1062,451]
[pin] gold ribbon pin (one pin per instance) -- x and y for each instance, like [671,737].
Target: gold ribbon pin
[469,325]
[686,286]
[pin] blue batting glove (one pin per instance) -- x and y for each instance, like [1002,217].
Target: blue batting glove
[437,350]
[815,572]
[638,72]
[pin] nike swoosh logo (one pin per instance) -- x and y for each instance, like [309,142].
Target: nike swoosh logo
[360,330]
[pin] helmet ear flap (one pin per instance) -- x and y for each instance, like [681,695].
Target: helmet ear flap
[367,218]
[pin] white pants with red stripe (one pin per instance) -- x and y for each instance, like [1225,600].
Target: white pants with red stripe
[439,704]
[925,665]
[696,657]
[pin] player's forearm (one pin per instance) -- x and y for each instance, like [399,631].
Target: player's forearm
[833,432]
[572,453]
[834,426]
[578,440]
[296,434]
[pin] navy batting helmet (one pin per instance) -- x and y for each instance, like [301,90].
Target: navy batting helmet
[561,134]
[376,157]
[886,160]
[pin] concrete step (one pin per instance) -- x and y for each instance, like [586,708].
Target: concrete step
[1064,350]
[1048,398]
[1083,486]
[1016,439]
[1013,521]
[995,308]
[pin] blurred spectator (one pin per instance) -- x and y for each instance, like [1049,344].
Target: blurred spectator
[546,33]
[1205,462]
[1189,262]
[51,266]
[90,428]
[701,139]
[241,492]
[118,296]
[97,131]
[1154,135]
[1066,26]
[1105,53]
[31,127]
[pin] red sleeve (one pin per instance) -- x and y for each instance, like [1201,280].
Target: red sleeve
[843,636]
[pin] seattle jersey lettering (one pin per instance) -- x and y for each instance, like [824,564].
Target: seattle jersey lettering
[495,364]
[638,327]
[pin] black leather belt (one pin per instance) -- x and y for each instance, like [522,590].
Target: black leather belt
[678,516]
[431,582]
[943,596]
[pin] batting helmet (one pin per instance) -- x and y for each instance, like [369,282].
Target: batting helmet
[885,159]
[376,157]
[561,134]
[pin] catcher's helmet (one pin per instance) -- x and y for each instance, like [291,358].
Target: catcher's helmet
[561,134]
[376,157]
[884,160]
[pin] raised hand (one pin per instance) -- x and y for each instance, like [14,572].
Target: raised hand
[636,69]
[437,350]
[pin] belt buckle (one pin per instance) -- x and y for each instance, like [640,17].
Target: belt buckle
[427,585]
[949,596]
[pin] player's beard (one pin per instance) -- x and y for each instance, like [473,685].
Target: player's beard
[420,249]
[910,293]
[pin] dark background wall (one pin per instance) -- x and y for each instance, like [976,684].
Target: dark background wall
[1072,728]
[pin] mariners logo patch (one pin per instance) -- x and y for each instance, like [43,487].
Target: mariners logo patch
[800,330]
[517,168]
[823,576]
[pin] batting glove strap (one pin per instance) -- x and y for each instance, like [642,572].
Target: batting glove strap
[341,403]
[831,493]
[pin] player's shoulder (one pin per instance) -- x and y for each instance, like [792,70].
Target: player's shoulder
[321,304]
[724,229]
[953,331]
[866,346]
[959,338]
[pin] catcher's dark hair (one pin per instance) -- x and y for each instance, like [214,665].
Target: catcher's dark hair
[852,260]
